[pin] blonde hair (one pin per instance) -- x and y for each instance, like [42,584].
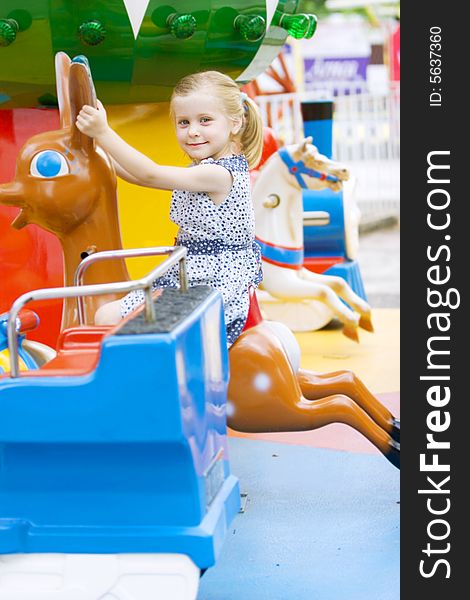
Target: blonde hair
[236,106]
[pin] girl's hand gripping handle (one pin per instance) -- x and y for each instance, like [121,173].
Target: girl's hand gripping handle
[93,121]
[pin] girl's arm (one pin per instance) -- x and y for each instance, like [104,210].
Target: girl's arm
[123,174]
[201,178]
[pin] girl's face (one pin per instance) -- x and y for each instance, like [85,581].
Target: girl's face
[202,128]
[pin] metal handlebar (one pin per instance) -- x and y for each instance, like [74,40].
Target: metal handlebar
[178,253]
[127,253]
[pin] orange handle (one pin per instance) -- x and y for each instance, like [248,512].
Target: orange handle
[28,320]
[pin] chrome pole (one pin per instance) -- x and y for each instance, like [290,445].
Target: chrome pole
[112,254]
[178,253]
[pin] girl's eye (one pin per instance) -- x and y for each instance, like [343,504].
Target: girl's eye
[49,163]
[205,120]
[183,122]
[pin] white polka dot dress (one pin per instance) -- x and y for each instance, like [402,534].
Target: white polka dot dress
[222,252]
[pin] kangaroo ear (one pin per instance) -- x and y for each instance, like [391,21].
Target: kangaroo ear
[62,72]
[81,91]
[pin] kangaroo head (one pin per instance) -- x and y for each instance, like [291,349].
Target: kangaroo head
[59,175]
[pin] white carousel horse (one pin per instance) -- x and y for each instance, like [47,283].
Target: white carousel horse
[277,198]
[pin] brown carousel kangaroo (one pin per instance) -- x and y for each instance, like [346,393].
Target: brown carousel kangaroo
[268,392]
[65,186]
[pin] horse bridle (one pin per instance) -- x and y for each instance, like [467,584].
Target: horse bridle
[297,169]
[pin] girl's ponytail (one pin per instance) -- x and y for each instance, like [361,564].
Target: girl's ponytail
[252,133]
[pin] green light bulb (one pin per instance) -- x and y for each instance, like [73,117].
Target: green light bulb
[182,26]
[296,25]
[8,30]
[92,33]
[252,28]
[312,27]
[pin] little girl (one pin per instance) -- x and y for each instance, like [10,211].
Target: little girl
[220,130]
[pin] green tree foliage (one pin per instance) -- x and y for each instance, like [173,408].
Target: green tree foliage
[316,7]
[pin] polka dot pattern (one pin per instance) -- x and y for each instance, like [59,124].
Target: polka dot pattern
[222,252]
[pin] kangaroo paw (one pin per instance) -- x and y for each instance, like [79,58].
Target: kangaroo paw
[350,331]
[393,454]
[366,322]
[395,433]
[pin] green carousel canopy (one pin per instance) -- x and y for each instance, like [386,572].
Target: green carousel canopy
[138,49]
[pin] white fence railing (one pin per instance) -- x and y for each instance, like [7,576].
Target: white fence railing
[366,137]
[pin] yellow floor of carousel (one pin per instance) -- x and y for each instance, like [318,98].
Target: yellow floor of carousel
[376,360]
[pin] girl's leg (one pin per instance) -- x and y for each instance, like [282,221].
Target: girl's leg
[109,313]
[112,312]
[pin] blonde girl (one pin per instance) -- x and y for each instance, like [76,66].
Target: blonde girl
[220,130]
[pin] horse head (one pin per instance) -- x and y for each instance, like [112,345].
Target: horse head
[277,196]
[318,170]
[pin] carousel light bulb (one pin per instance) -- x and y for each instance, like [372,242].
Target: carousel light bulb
[296,25]
[252,28]
[92,33]
[182,26]
[313,22]
[8,31]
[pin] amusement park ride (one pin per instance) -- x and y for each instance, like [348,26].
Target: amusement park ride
[115,481]
[303,291]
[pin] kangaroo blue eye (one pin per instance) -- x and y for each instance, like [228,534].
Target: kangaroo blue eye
[49,163]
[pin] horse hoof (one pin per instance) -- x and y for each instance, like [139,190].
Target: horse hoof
[393,454]
[366,322]
[350,332]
